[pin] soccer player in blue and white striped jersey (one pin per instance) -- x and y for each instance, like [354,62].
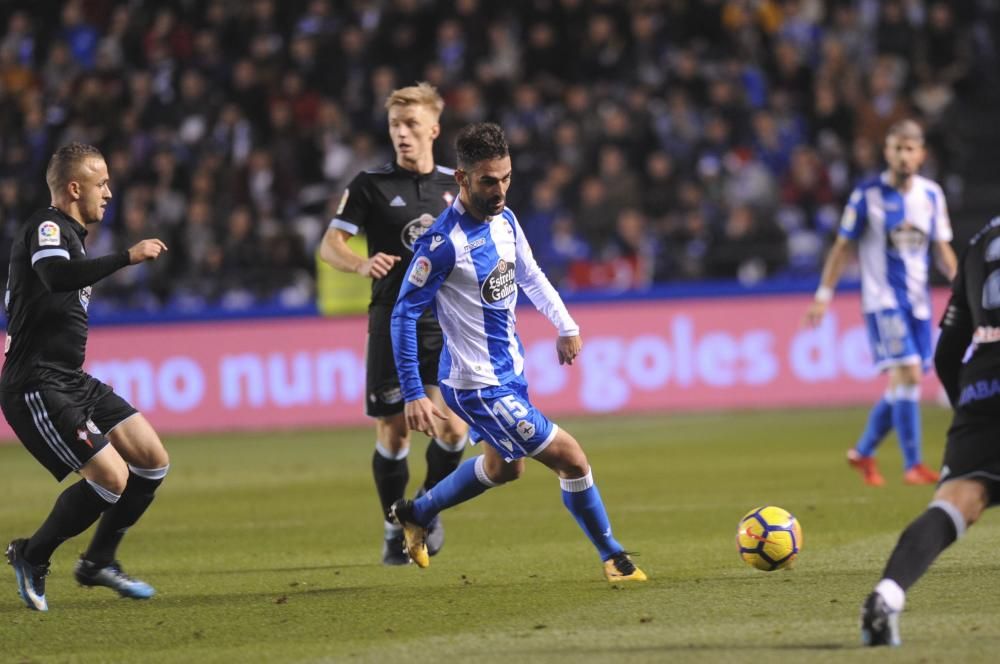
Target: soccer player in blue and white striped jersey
[467,267]
[896,220]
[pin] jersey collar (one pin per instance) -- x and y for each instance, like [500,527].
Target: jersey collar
[413,174]
[80,229]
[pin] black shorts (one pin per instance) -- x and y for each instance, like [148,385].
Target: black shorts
[64,426]
[973,450]
[383,395]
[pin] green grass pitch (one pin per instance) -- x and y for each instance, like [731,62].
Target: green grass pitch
[265,548]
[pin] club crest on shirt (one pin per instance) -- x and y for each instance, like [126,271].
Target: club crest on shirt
[420,271]
[414,229]
[85,298]
[499,284]
[907,238]
[48,234]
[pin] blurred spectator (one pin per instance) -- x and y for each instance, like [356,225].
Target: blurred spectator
[806,186]
[747,249]
[674,136]
[883,105]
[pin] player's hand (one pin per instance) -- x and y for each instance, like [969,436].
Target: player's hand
[421,414]
[568,348]
[378,265]
[815,312]
[147,250]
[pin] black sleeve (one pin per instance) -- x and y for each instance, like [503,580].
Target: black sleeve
[60,275]
[356,203]
[956,334]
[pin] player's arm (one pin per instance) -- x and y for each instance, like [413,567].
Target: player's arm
[852,223]
[59,274]
[427,271]
[353,213]
[945,259]
[956,334]
[944,255]
[546,299]
[337,254]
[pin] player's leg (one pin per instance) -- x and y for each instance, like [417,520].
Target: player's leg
[583,500]
[137,442]
[41,421]
[904,381]
[908,353]
[444,453]
[957,504]
[972,476]
[498,464]
[470,479]
[384,402]
[391,472]
[862,456]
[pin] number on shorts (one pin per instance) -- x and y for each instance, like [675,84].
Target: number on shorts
[509,408]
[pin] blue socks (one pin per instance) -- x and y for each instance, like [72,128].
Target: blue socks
[879,424]
[906,419]
[583,500]
[465,482]
[580,497]
[900,410]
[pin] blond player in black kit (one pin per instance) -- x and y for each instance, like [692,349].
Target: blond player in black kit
[393,205]
[62,415]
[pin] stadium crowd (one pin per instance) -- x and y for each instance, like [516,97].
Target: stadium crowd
[655,140]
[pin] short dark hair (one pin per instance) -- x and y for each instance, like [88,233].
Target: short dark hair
[479,141]
[65,163]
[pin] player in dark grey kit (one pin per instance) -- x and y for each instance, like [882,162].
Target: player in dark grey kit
[970,474]
[62,415]
[393,205]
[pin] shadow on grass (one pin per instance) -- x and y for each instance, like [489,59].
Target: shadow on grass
[280,570]
[172,602]
[688,647]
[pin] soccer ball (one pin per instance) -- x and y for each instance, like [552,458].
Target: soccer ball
[769,538]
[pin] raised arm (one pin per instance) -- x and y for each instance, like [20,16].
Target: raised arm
[60,275]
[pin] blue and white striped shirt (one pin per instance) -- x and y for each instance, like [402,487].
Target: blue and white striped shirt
[469,271]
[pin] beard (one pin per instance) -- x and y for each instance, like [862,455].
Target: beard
[486,207]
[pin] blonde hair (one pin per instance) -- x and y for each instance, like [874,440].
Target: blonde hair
[64,165]
[906,129]
[422,94]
